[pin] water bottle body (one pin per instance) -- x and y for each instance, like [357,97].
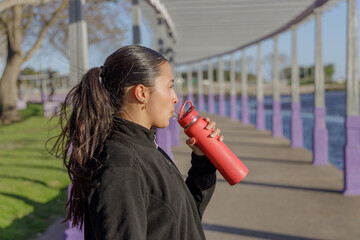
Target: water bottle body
[230,167]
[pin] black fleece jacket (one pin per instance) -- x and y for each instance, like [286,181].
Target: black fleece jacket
[141,193]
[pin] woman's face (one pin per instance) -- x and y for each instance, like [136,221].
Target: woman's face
[161,105]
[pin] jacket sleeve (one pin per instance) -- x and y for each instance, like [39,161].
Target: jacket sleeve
[201,181]
[117,206]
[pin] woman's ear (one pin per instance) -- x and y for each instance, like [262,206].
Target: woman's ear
[141,93]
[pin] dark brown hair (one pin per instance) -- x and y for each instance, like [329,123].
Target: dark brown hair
[86,117]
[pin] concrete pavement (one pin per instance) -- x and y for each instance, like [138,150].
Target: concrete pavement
[284,196]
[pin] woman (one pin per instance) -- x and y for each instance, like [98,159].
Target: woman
[124,185]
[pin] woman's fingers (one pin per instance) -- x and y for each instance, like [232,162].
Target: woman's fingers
[211,124]
[216,132]
[221,138]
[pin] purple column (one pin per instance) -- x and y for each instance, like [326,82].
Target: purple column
[352,119]
[32,92]
[233,107]
[50,108]
[73,233]
[221,86]
[233,90]
[190,97]
[43,97]
[59,97]
[200,87]
[211,103]
[163,139]
[32,96]
[296,126]
[21,104]
[222,104]
[260,116]
[320,146]
[55,97]
[189,81]
[244,110]
[174,125]
[174,132]
[201,102]
[352,156]
[180,102]
[43,91]
[277,130]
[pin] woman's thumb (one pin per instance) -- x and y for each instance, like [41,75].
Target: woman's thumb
[190,141]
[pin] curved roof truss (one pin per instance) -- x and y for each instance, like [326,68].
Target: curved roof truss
[211,28]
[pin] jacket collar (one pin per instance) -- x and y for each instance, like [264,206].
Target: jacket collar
[135,131]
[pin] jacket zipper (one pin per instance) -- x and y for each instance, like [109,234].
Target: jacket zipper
[156,145]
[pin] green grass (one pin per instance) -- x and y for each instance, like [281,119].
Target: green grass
[32,184]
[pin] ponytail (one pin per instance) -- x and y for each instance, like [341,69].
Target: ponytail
[85,120]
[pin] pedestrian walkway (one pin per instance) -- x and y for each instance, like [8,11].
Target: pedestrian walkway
[55,231]
[284,196]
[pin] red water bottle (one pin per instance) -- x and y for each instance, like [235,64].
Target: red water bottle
[230,167]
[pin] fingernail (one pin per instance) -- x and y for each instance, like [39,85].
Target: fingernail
[212,135]
[192,141]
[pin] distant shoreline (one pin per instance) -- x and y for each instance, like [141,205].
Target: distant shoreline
[304,89]
[284,89]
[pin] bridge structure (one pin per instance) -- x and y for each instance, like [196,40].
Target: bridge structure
[198,35]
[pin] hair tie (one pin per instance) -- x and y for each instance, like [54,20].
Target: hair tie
[102,72]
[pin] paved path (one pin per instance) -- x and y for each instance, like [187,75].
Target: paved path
[284,197]
[54,232]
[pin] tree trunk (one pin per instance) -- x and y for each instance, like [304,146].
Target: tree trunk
[8,110]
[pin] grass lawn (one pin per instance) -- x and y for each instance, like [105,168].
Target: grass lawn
[32,184]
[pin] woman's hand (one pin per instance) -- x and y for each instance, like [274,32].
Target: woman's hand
[216,132]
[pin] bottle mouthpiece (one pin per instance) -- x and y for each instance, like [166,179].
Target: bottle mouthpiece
[175,116]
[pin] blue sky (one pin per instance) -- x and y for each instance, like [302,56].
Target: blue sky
[334,45]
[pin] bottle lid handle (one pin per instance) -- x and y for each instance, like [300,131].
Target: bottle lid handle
[181,111]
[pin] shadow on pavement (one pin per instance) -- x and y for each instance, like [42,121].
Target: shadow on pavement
[252,233]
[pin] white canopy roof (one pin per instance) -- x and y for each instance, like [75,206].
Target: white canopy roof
[208,28]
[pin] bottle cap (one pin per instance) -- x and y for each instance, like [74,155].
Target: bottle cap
[189,116]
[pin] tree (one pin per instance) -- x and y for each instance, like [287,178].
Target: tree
[15,24]
[100,18]
[329,72]
[26,23]
[286,73]
[28,71]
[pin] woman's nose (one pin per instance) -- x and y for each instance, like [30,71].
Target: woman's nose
[175,98]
